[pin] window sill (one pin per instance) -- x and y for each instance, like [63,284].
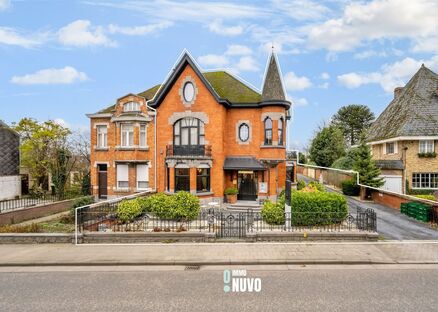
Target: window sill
[123,190]
[130,148]
[101,149]
[273,146]
[143,148]
[204,193]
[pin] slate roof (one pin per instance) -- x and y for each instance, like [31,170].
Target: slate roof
[414,112]
[273,86]
[242,163]
[389,164]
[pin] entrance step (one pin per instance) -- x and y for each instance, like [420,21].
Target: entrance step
[241,205]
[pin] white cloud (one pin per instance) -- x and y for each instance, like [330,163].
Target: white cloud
[218,28]
[301,9]
[325,76]
[4,4]
[391,75]
[237,49]
[66,75]
[375,20]
[284,40]
[325,85]
[62,122]
[81,33]
[139,30]
[299,102]
[246,63]
[190,11]
[213,60]
[9,36]
[293,82]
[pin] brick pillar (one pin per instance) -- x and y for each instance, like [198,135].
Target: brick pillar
[193,180]
[171,179]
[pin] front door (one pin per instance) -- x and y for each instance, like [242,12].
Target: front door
[247,182]
[103,181]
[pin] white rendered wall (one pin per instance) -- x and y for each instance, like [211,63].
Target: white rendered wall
[10,187]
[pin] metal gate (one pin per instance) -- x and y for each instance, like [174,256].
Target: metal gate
[232,225]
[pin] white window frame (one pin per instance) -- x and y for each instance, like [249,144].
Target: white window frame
[102,137]
[142,130]
[122,176]
[142,174]
[419,177]
[131,107]
[127,135]
[427,148]
[385,150]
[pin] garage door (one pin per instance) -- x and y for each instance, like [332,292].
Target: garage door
[393,183]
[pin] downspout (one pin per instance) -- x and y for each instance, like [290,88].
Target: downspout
[155,145]
[155,142]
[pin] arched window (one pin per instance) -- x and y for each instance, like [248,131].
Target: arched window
[131,107]
[188,136]
[268,131]
[280,131]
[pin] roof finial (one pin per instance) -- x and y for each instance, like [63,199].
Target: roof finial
[272,47]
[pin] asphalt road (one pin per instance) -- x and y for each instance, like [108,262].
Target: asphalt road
[391,224]
[323,288]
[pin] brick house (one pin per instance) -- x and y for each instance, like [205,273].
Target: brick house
[199,131]
[10,180]
[404,138]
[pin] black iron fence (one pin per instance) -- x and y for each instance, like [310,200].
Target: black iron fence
[103,218]
[30,201]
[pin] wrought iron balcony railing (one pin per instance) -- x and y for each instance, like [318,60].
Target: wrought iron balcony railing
[188,150]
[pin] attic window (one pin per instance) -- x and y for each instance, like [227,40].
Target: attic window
[131,107]
[189,91]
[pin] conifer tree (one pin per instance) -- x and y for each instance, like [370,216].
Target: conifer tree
[368,171]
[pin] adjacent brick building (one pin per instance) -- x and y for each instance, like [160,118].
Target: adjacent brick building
[404,138]
[199,131]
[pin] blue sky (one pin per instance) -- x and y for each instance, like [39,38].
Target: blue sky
[63,59]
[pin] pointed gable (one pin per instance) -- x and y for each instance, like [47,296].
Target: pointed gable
[413,111]
[273,83]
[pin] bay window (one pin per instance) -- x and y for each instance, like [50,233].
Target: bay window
[425,180]
[142,136]
[202,180]
[127,135]
[182,179]
[268,131]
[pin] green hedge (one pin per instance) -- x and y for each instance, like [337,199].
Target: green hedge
[429,197]
[301,184]
[128,210]
[318,186]
[181,206]
[308,208]
[273,213]
[350,188]
[318,208]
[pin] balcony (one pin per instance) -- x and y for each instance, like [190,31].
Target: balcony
[188,150]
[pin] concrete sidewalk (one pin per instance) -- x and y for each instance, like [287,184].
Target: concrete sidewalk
[420,252]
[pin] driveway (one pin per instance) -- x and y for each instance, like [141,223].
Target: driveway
[391,224]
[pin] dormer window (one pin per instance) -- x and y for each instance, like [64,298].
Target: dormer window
[131,107]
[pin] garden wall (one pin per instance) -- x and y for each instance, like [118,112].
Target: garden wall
[330,177]
[10,187]
[24,214]
[393,200]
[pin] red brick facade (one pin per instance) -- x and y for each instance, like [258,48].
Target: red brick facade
[220,123]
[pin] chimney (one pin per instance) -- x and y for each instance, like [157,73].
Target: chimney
[397,92]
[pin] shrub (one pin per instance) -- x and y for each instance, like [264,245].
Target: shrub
[30,228]
[350,188]
[231,191]
[301,184]
[128,210]
[429,197]
[83,201]
[318,208]
[181,206]
[273,213]
[186,207]
[317,185]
